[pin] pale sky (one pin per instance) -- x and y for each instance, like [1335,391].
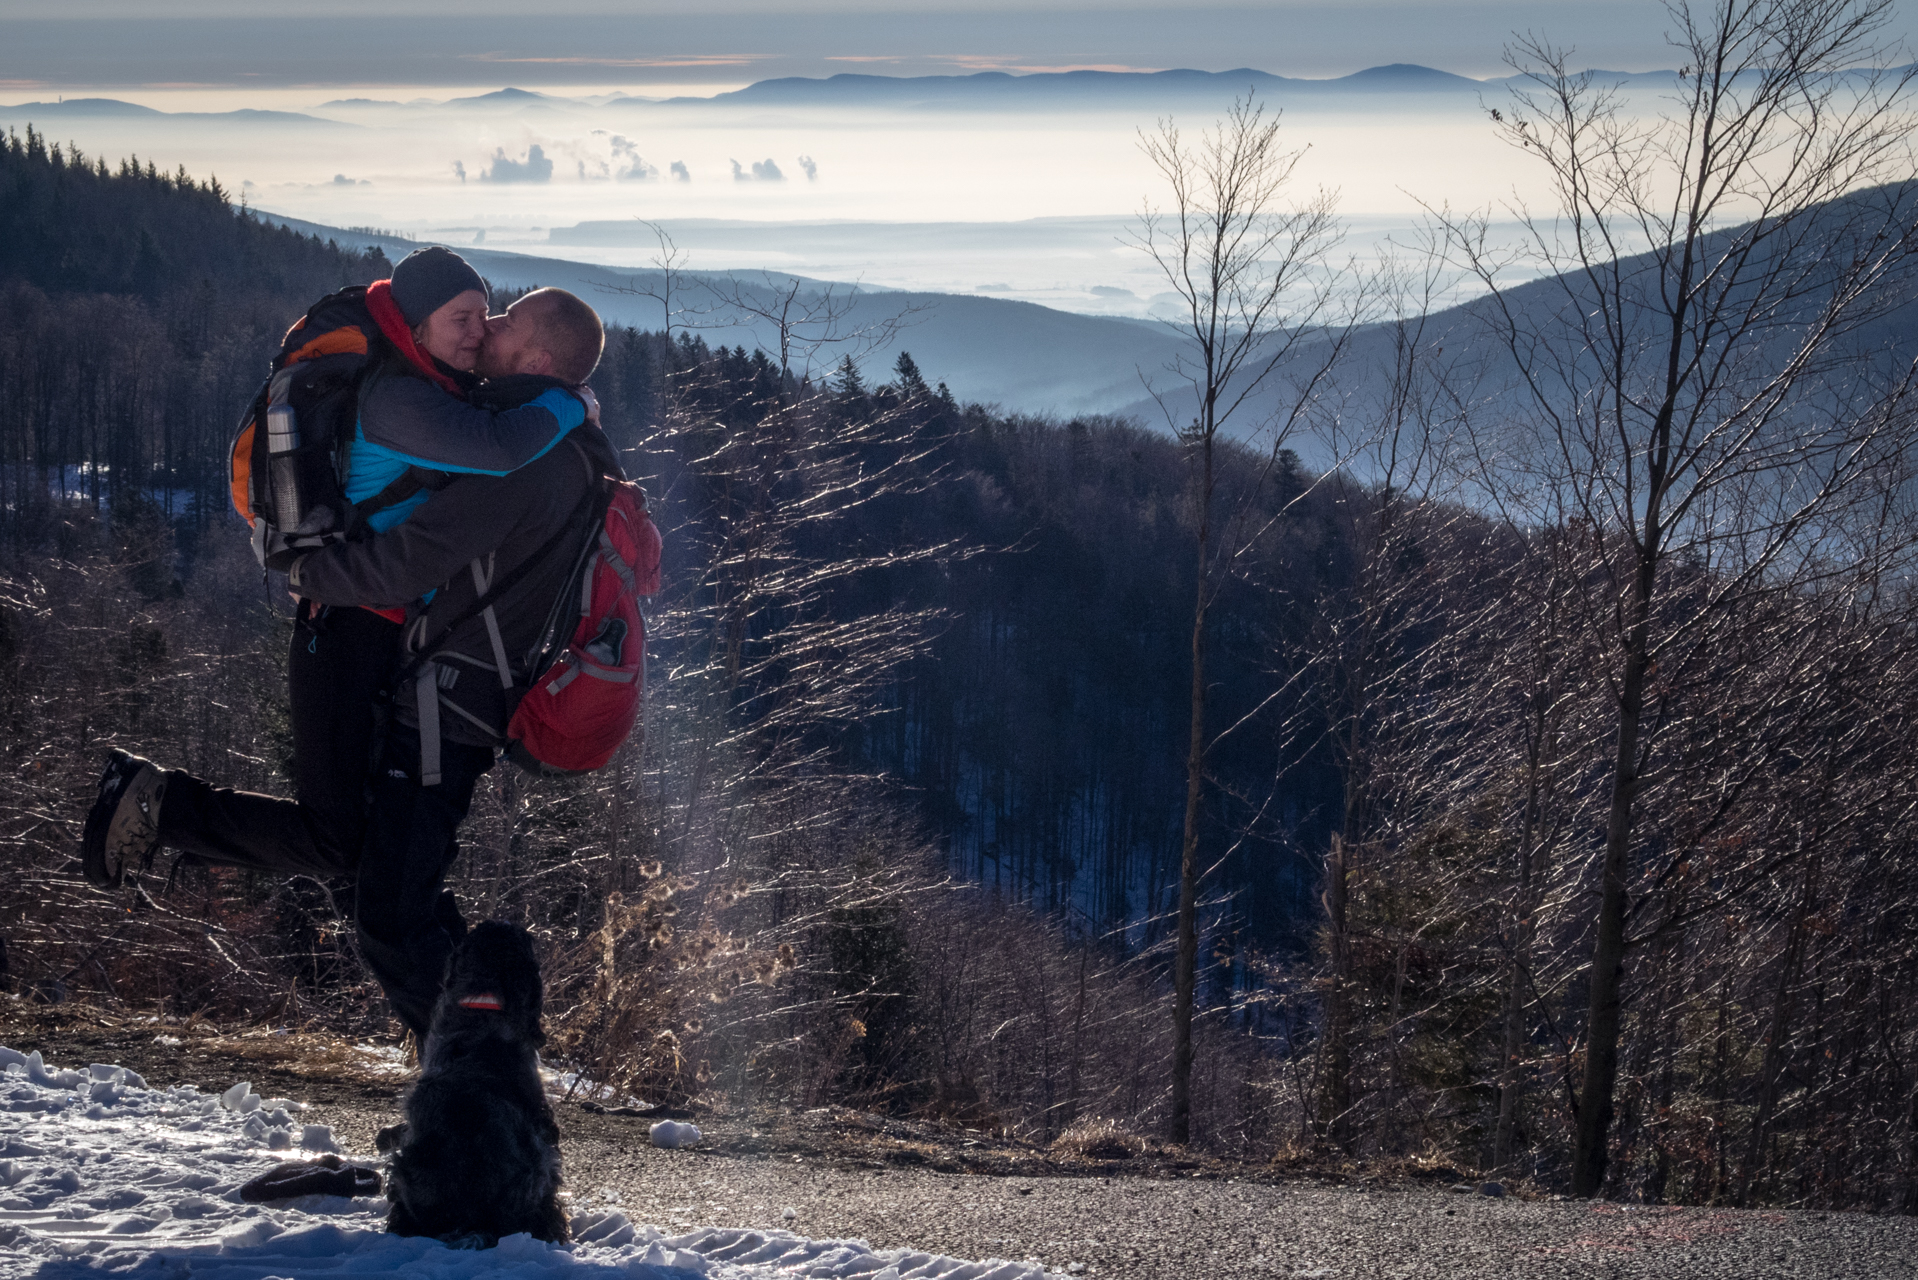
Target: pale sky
[103,44]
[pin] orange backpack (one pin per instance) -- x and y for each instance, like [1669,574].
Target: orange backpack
[288,462]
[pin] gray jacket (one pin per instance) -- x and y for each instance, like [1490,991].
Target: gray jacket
[475,532]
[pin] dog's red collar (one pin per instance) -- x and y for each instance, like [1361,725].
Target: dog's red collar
[485,1000]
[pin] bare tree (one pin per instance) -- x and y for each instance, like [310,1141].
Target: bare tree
[1360,652]
[1252,297]
[670,264]
[1541,670]
[1698,377]
[809,320]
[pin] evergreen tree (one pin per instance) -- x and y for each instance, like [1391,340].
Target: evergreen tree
[848,385]
[912,384]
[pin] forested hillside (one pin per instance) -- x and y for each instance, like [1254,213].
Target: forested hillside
[902,828]
[1028,720]
[136,312]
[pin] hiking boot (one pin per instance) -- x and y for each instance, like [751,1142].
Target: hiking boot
[124,823]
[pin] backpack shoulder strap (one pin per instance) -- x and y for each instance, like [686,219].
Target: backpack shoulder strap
[591,504]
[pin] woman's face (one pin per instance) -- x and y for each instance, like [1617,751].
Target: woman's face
[453,334]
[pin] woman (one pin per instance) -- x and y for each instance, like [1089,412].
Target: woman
[415,429]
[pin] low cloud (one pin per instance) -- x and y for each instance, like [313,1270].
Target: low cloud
[341,180]
[1110,291]
[762,171]
[812,170]
[680,172]
[459,168]
[536,167]
[628,166]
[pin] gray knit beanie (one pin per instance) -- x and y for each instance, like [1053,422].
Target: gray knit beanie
[428,279]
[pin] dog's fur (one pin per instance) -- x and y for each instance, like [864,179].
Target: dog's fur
[478,1156]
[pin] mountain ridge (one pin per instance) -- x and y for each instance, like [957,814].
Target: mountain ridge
[116,108]
[973,89]
[977,89]
[791,90]
[1025,356]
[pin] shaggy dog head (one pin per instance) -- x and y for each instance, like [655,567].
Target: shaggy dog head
[492,987]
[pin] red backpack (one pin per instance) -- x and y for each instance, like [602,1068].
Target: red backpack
[588,667]
[584,698]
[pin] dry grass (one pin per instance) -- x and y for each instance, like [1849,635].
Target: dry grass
[314,1054]
[1097,1138]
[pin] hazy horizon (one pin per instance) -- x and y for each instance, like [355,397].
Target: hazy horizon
[1039,196]
[1039,203]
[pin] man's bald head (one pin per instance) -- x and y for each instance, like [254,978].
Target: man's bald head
[549,331]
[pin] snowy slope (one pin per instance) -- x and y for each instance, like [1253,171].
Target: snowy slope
[101,1174]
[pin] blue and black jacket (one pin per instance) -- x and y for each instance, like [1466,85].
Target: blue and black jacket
[406,422]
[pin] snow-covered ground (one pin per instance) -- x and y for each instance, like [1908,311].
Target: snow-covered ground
[101,1174]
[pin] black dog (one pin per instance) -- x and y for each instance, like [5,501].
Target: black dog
[478,1156]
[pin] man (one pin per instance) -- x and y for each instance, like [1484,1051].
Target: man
[547,341]
[513,539]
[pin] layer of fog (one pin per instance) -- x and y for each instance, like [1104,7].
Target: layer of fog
[1052,196]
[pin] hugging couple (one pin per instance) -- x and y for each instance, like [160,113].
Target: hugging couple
[476,444]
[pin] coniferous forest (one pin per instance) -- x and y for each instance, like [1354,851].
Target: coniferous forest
[1525,817]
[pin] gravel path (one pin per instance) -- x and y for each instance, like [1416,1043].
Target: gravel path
[1213,1230]
[1135,1228]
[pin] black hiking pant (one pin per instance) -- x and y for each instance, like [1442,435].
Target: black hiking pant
[407,928]
[341,661]
[356,817]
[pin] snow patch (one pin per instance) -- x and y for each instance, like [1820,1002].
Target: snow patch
[572,1086]
[102,1174]
[671,1134]
[318,1137]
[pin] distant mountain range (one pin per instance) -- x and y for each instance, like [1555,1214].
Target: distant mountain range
[985,90]
[115,109]
[499,100]
[994,89]
[997,88]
